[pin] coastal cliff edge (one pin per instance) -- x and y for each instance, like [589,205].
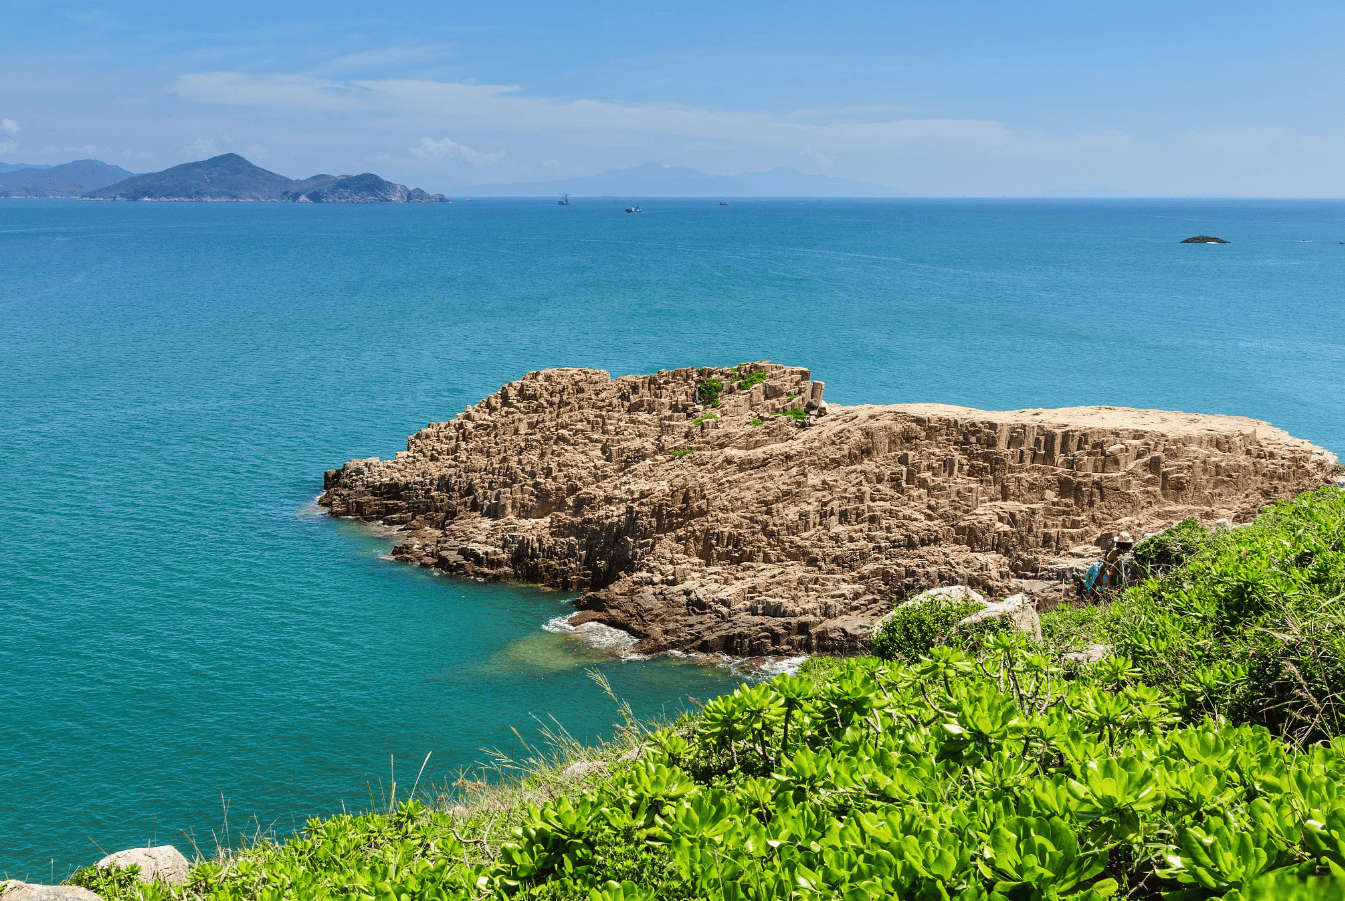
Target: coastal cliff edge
[734,511]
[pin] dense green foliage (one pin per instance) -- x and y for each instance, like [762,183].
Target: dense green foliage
[708,392]
[913,629]
[793,413]
[1161,553]
[1251,625]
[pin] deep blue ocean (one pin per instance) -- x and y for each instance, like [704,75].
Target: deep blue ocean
[180,629]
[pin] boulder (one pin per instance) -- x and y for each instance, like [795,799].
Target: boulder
[23,891]
[1015,611]
[163,863]
[1091,654]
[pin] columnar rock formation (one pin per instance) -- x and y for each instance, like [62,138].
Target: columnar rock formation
[772,524]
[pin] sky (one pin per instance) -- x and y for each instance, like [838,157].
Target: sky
[946,98]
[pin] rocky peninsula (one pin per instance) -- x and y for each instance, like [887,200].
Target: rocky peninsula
[735,511]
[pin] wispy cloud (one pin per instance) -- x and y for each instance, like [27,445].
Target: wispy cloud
[505,108]
[8,147]
[9,126]
[446,149]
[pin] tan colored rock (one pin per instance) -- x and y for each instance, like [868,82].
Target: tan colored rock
[161,862]
[1090,654]
[793,536]
[24,891]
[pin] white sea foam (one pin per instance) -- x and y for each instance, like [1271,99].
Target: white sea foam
[604,638]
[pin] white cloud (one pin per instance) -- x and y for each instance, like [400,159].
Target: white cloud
[277,91]
[446,149]
[8,147]
[9,126]
[595,122]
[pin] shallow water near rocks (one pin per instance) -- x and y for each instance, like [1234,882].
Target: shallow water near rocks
[180,629]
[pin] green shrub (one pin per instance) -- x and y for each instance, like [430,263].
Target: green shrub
[683,451]
[708,417]
[1252,626]
[912,629]
[754,422]
[709,391]
[751,379]
[793,413]
[1171,548]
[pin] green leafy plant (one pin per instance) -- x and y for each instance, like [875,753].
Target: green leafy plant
[750,379]
[708,417]
[708,392]
[793,413]
[912,629]
[683,451]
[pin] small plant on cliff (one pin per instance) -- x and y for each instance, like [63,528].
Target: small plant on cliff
[793,413]
[754,422]
[912,630]
[709,392]
[751,379]
[683,451]
[708,417]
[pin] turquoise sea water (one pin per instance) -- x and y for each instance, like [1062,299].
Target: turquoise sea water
[179,626]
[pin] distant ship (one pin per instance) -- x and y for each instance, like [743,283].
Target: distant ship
[723,203]
[634,209]
[564,200]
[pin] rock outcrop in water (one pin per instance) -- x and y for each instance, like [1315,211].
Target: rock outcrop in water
[773,524]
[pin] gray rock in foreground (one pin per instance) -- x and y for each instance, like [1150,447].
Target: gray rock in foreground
[23,891]
[162,862]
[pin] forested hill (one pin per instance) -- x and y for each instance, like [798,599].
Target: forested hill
[230,177]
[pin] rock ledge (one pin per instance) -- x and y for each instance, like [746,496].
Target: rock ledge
[715,535]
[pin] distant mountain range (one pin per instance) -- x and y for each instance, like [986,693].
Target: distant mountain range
[231,178]
[65,180]
[654,180]
[10,167]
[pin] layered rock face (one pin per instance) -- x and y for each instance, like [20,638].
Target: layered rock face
[749,530]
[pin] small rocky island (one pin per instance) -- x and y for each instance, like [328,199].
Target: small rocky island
[1205,239]
[736,511]
[230,178]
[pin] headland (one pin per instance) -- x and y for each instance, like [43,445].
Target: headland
[735,511]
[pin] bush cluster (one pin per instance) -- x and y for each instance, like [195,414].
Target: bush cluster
[915,628]
[1252,625]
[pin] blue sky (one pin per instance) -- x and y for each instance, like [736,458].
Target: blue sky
[953,98]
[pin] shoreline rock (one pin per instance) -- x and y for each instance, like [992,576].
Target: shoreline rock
[714,535]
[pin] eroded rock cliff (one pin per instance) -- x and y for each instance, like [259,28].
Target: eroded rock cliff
[748,529]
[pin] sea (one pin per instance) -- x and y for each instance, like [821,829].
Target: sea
[192,653]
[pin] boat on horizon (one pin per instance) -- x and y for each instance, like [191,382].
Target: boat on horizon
[564,200]
[634,209]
